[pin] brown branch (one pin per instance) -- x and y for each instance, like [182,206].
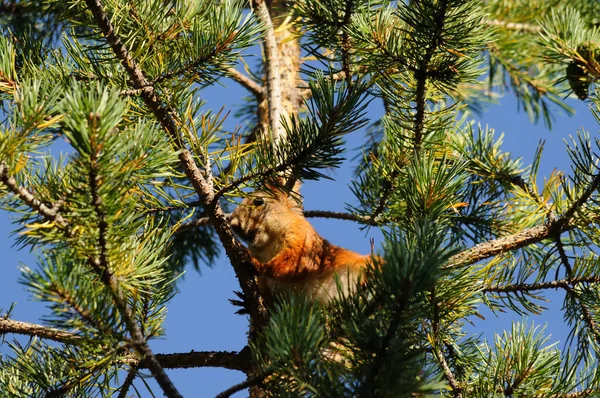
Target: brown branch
[256,89]
[576,394]
[338,216]
[566,283]
[346,46]
[43,332]
[307,213]
[50,213]
[501,245]
[252,381]
[525,27]
[197,359]
[587,316]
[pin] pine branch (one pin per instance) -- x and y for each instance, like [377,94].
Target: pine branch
[237,253]
[338,216]
[456,390]
[509,391]
[421,74]
[256,89]
[82,312]
[100,265]
[42,332]
[272,69]
[388,189]
[527,237]
[195,359]
[50,213]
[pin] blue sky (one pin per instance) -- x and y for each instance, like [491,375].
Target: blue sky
[200,318]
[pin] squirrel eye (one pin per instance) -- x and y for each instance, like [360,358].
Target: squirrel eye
[259,201]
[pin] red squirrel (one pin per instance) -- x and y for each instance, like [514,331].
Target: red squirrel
[288,253]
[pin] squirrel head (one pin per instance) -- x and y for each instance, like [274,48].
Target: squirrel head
[263,218]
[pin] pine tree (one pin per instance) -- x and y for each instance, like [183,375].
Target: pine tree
[146,187]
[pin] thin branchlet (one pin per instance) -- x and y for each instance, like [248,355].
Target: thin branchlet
[50,213]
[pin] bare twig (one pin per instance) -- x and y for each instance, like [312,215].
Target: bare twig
[43,332]
[198,359]
[252,381]
[566,283]
[256,89]
[128,382]
[338,215]
[307,213]
[525,27]
[50,213]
